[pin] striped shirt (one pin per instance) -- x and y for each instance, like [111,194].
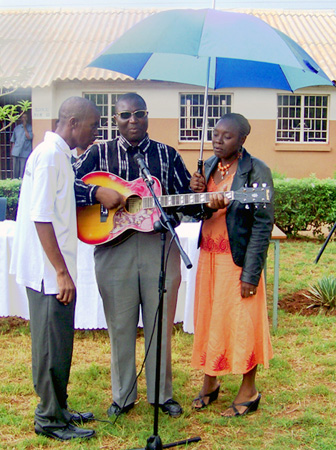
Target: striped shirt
[117,157]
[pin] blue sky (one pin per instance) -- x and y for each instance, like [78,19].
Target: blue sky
[273,4]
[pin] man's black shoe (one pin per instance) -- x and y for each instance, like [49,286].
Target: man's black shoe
[81,418]
[172,408]
[115,410]
[64,433]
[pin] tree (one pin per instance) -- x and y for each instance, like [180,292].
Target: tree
[11,113]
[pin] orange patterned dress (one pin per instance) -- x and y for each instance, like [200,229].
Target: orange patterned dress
[231,332]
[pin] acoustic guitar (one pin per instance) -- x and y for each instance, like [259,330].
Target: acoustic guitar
[97,225]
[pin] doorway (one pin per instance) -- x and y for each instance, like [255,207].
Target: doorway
[6,160]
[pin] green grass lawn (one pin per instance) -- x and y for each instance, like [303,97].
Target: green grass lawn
[298,405]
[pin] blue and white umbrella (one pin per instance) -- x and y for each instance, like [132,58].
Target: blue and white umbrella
[211,48]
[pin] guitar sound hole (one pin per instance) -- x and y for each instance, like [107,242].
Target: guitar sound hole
[133,204]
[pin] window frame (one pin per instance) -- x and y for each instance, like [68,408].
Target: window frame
[110,128]
[303,107]
[196,131]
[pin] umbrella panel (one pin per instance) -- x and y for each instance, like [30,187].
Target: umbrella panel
[224,72]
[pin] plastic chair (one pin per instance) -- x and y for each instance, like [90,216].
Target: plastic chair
[3,208]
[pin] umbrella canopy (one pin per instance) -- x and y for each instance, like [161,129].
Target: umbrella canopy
[207,47]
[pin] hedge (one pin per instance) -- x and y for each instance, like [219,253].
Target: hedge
[10,189]
[300,204]
[304,204]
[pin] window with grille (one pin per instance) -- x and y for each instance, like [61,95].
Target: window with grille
[105,103]
[191,114]
[302,118]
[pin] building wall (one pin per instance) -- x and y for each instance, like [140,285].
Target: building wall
[310,159]
[259,106]
[43,115]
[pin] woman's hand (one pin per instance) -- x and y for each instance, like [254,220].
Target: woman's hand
[197,182]
[218,201]
[247,289]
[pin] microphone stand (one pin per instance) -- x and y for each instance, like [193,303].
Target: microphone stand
[154,441]
[325,244]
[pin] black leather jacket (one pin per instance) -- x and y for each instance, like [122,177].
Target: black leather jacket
[249,229]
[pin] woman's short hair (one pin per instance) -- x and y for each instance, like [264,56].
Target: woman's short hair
[241,122]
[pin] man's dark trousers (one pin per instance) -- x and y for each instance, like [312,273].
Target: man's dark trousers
[52,334]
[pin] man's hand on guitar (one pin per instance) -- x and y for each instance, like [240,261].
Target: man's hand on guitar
[110,198]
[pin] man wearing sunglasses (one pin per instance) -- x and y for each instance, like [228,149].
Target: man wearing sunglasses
[128,272]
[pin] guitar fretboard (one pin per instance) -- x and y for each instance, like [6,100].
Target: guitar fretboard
[183,199]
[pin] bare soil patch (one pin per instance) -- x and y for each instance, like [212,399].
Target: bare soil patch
[8,324]
[298,303]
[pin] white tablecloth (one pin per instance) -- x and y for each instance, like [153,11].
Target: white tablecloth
[89,308]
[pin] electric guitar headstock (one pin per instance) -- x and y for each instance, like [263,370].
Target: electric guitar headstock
[254,194]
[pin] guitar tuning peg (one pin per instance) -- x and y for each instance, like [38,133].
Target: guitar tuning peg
[264,185]
[255,185]
[247,206]
[264,206]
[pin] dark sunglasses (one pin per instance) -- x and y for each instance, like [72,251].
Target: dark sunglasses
[125,115]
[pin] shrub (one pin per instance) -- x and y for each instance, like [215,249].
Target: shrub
[304,204]
[278,175]
[323,293]
[10,189]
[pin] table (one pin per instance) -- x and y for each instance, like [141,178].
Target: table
[89,308]
[13,298]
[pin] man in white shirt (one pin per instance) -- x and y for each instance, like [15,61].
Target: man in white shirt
[44,260]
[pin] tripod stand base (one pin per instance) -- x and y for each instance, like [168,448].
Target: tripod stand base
[154,442]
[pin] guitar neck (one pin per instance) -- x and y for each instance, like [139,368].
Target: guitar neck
[184,199]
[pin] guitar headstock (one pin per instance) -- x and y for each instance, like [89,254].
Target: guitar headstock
[253,194]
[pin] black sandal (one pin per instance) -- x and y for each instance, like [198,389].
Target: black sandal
[252,406]
[212,397]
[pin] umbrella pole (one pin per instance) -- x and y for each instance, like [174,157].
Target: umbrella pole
[200,161]
[205,110]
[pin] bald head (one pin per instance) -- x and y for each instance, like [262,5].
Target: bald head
[78,122]
[76,107]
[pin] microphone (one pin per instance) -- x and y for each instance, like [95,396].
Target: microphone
[146,175]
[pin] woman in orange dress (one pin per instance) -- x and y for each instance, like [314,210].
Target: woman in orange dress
[230,316]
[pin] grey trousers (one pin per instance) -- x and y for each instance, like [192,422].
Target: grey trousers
[52,333]
[128,278]
[19,165]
